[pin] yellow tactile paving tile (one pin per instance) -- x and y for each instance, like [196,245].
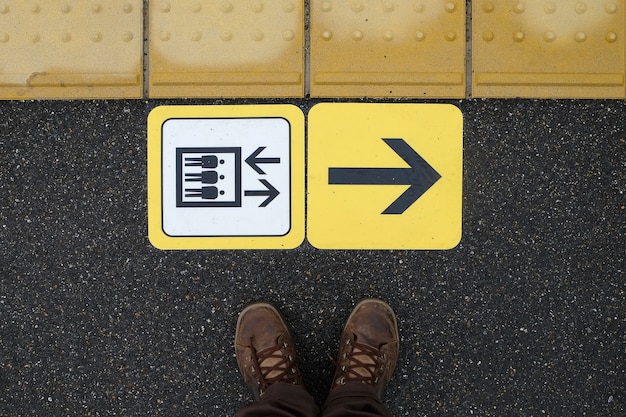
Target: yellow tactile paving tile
[71,49]
[548,49]
[226,48]
[384,48]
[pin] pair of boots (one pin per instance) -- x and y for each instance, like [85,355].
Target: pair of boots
[368,352]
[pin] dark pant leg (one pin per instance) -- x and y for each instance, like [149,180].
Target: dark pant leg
[354,399]
[282,400]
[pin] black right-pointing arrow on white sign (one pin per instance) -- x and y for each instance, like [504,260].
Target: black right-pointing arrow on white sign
[420,176]
[270,192]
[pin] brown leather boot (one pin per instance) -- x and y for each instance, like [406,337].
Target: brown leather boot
[265,350]
[368,350]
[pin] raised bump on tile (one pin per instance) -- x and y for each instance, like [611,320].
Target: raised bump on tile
[66,37]
[4,38]
[327,6]
[549,36]
[420,36]
[388,35]
[611,8]
[164,35]
[165,7]
[388,6]
[35,38]
[549,7]
[419,7]
[581,7]
[127,8]
[288,35]
[196,36]
[450,7]
[66,9]
[127,36]
[35,8]
[96,8]
[488,36]
[227,7]
[518,36]
[611,37]
[258,35]
[327,35]
[519,7]
[357,6]
[196,8]
[357,35]
[96,37]
[488,7]
[289,7]
[580,36]
[226,36]
[4,9]
[450,36]
[257,7]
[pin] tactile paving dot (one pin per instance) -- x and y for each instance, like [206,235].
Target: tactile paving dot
[226,48]
[387,48]
[548,48]
[70,49]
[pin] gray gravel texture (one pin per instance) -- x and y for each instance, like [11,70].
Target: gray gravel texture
[526,317]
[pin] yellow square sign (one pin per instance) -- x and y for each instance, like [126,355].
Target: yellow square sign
[226,177]
[384,176]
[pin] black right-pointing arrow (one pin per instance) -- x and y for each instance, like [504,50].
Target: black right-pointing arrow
[270,192]
[420,176]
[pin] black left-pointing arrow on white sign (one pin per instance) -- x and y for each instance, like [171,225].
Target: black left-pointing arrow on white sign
[270,192]
[254,160]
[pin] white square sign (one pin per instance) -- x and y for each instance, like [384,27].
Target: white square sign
[226,177]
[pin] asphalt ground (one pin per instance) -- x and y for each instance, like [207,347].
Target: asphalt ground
[526,317]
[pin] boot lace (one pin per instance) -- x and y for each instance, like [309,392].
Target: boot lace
[361,363]
[273,365]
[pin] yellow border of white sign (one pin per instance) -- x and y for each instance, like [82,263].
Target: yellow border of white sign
[161,114]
